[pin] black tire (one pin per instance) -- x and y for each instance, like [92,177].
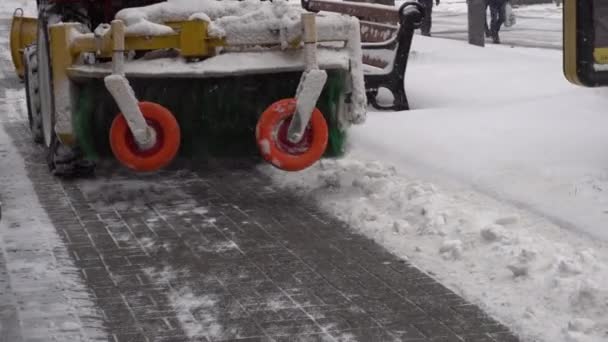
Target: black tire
[31,94]
[45,80]
[63,161]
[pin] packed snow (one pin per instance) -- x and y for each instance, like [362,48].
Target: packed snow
[45,286]
[494,183]
[9,7]
[248,22]
[242,63]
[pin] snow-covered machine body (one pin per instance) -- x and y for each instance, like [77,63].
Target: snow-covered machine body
[145,80]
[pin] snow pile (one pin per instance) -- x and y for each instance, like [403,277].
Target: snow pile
[505,123]
[516,129]
[489,252]
[179,10]
[264,23]
[247,22]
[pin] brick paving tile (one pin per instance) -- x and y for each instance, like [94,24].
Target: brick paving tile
[9,319]
[216,253]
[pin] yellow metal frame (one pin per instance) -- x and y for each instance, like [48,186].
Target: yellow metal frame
[67,44]
[23,33]
[191,40]
[570,42]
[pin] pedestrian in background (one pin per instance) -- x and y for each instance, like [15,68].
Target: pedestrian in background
[427,22]
[497,12]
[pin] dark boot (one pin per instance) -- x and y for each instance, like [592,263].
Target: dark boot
[495,38]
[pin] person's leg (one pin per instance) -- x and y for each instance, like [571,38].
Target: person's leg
[430,15]
[502,16]
[425,28]
[485,20]
[495,10]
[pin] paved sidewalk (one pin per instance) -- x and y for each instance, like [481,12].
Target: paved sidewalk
[9,318]
[216,253]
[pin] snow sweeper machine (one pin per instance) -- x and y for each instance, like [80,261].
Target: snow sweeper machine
[147,80]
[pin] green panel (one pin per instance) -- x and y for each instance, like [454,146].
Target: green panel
[216,116]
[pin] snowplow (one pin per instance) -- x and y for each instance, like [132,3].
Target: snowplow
[146,80]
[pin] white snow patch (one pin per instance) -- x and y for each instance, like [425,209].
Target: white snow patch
[146,28]
[188,305]
[276,162]
[308,92]
[200,210]
[200,16]
[9,6]
[41,275]
[248,22]
[241,63]
[70,326]
[451,249]
[492,233]
[530,274]
[265,146]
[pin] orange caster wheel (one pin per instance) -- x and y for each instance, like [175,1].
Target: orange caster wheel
[167,143]
[271,136]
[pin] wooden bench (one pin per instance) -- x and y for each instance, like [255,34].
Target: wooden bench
[384,30]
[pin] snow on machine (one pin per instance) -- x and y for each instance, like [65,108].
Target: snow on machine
[144,80]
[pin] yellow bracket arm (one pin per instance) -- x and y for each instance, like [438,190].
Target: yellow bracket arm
[23,33]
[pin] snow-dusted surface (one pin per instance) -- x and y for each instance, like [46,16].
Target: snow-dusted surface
[229,64]
[44,283]
[495,183]
[8,8]
[248,22]
[127,102]
[308,92]
[517,130]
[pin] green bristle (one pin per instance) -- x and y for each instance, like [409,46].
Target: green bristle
[216,116]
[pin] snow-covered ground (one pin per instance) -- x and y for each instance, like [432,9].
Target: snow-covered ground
[46,288]
[496,183]
[9,6]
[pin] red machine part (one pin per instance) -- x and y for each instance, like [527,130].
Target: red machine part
[271,136]
[108,7]
[168,137]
